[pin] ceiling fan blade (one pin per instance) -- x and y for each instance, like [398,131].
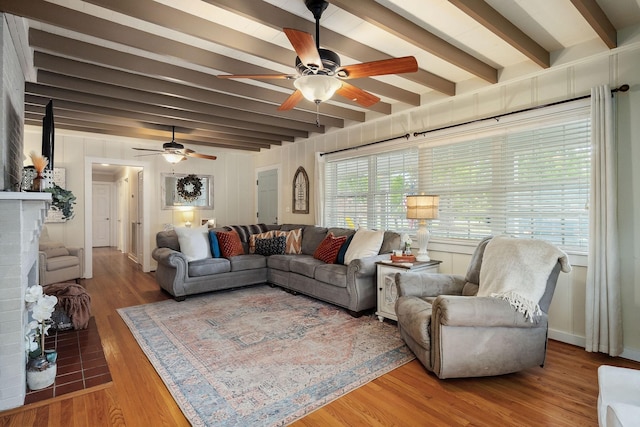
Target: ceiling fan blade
[406,64]
[192,153]
[358,95]
[148,149]
[291,101]
[305,47]
[256,76]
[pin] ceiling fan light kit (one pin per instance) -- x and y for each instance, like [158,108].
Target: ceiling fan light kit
[174,158]
[317,87]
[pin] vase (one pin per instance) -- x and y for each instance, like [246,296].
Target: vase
[41,372]
[39,183]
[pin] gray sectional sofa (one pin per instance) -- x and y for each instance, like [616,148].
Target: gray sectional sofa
[352,286]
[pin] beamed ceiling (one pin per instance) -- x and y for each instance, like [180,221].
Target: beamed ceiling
[137,67]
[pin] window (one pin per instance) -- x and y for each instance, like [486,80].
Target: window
[532,183]
[524,176]
[369,191]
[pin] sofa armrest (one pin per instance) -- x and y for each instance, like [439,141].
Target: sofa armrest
[79,252]
[170,258]
[421,284]
[450,310]
[363,267]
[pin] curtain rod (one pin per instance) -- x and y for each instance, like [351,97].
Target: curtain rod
[622,88]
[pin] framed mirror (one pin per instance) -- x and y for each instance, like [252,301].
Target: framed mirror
[301,192]
[181,190]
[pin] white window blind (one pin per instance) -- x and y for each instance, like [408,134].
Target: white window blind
[530,183]
[369,191]
[526,176]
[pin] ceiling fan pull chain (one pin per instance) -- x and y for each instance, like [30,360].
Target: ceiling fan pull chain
[318,113]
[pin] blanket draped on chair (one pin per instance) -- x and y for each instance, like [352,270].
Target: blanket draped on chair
[75,300]
[517,270]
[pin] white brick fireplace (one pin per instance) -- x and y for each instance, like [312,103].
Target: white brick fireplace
[21,218]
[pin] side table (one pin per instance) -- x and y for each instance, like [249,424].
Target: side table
[387,292]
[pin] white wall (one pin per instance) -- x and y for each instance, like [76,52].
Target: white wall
[564,80]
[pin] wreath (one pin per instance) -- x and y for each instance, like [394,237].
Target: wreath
[189,187]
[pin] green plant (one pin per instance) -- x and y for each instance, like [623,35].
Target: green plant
[62,200]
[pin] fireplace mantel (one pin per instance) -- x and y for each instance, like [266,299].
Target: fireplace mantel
[21,219]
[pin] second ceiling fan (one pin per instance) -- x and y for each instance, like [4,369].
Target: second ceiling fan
[319,73]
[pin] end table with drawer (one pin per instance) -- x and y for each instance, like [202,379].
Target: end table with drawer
[386,283]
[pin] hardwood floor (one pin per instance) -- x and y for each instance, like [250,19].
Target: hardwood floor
[563,393]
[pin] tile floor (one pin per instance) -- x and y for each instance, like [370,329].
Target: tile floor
[81,363]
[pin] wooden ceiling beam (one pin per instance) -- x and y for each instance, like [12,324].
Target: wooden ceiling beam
[41,40]
[277,18]
[122,79]
[595,16]
[242,119]
[378,15]
[138,105]
[503,28]
[147,119]
[204,138]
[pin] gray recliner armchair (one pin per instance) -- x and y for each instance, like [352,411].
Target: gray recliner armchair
[455,333]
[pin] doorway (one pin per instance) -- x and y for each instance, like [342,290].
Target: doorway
[267,196]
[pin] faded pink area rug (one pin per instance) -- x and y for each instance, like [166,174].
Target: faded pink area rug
[260,356]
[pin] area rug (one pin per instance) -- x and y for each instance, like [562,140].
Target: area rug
[259,355]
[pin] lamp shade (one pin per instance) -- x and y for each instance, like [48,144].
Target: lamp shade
[317,87]
[173,157]
[422,206]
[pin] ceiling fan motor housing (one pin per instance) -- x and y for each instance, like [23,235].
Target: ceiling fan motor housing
[330,62]
[172,146]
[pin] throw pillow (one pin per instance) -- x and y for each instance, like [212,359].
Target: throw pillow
[230,244]
[215,245]
[253,237]
[328,249]
[272,246]
[194,242]
[294,240]
[364,243]
[343,250]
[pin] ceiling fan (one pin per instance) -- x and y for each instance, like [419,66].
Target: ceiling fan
[174,152]
[319,73]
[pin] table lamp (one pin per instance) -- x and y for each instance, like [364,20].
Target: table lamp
[188,218]
[422,207]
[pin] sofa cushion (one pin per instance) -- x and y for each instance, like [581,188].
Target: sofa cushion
[329,247]
[365,243]
[248,262]
[245,231]
[253,237]
[305,265]
[60,262]
[168,239]
[208,266]
[311,238]
[343,250]
[294,240]
[272,246]
[280,262]
[332,274]
[391,241]
[230,244]
[194,242]
[56,252]
[215,245]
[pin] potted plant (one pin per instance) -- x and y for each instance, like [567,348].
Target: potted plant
[62,200]
[41,363]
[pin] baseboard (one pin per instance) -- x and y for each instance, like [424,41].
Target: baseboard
[579,341]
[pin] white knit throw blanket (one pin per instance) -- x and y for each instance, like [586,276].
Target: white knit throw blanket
[517,270]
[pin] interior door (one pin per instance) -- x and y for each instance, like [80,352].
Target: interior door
[101,214]
[268,196]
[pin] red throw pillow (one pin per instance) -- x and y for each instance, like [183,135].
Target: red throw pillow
[328,249]
[230,244]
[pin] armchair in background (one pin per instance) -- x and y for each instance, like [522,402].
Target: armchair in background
[455,333]
[58,263]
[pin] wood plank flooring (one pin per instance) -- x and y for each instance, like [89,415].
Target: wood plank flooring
[563,393]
